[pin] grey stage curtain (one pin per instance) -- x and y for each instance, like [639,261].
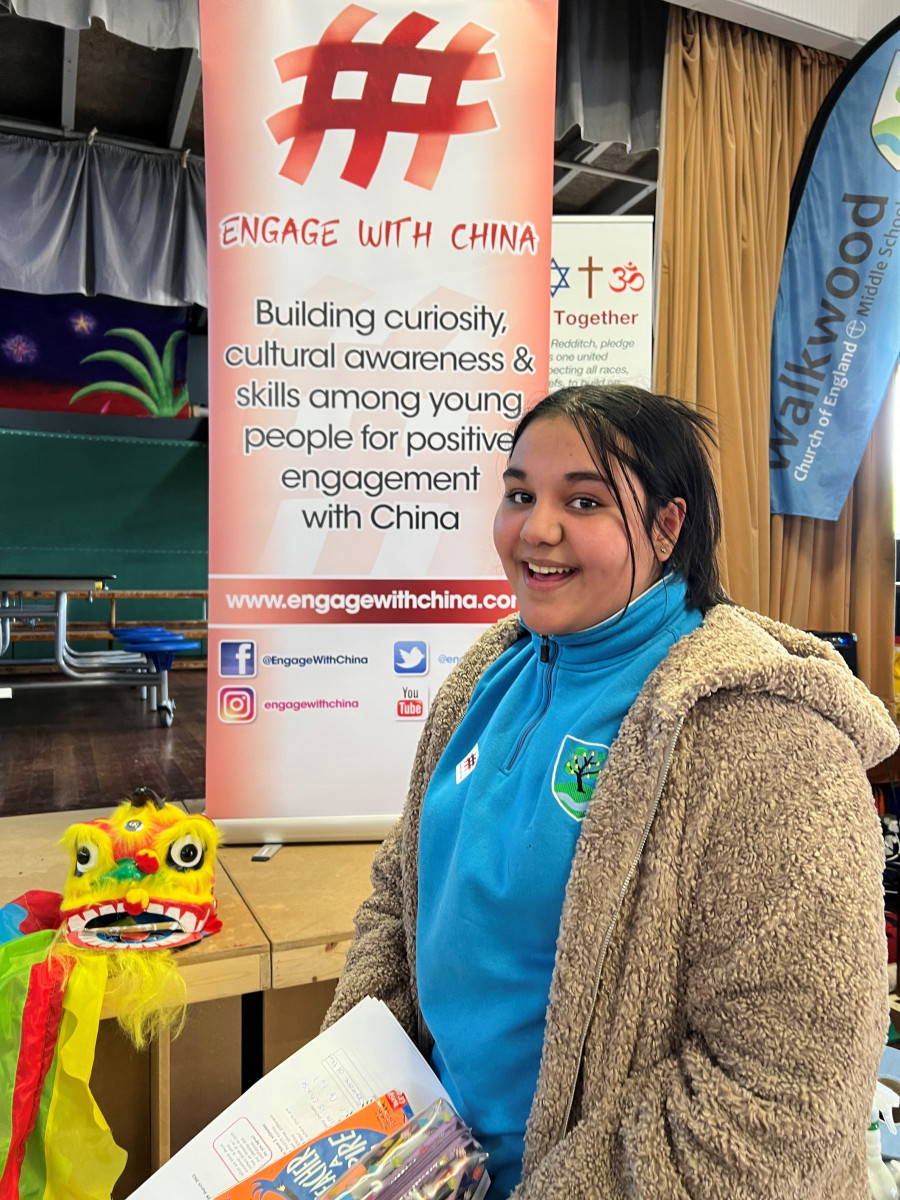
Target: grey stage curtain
[163,24]
[87,218]
[609,66]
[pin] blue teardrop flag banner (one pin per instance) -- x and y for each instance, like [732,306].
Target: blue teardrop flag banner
[836,334]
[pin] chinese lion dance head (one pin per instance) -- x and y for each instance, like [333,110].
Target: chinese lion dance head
[140,880]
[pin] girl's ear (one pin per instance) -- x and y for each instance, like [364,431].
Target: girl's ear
[667,527]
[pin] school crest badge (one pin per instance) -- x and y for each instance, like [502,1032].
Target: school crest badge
[578,766]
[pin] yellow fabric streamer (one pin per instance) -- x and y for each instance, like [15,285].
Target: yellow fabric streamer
[82,1160]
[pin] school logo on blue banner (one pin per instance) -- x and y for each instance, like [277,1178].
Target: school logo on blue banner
[578,766]
[836,336]
[886,124]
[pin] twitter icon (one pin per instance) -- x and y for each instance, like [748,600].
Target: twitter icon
[410,658]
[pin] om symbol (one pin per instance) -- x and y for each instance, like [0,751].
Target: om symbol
[628,276]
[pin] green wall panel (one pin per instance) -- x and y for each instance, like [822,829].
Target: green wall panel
[131,507]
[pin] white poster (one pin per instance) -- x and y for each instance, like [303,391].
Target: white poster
[601,303]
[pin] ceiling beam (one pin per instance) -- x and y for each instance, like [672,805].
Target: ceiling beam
[591,170]
[69,79]
[54,134]
[635,199]
[590,155]
[185,94]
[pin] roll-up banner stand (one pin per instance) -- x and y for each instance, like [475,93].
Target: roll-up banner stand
[379,211]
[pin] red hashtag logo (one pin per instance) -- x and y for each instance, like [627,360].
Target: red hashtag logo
[375,113]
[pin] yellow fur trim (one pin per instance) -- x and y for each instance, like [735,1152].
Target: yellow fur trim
[146,993]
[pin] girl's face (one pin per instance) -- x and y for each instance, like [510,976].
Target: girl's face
[561,538]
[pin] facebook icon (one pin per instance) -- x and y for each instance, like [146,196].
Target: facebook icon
[237,658]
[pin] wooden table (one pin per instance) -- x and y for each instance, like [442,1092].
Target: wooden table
[23,600]
[304,899]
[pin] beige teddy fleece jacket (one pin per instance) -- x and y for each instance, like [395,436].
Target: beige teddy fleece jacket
[718,1004]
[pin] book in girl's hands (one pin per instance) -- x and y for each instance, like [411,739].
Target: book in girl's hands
[359,1058]
[310,1169]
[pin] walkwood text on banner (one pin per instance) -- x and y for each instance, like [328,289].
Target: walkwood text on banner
[836,335]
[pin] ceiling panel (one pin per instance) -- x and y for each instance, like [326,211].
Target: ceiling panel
[31,56]
[124,89]
[154,99]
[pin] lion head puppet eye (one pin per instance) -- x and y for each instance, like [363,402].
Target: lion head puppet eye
[91,853]
[186,853]
[87,857]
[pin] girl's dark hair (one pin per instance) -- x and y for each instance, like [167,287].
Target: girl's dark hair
[662,443]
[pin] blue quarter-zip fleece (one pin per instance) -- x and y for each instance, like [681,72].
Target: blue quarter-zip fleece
[499,826]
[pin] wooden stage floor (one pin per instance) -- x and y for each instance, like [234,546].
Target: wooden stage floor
[91,747]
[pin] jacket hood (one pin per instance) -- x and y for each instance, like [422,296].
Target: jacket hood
[735,649]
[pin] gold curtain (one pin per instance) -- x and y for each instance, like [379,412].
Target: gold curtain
[737,110]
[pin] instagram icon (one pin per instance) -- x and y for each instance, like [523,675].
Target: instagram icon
[237,704]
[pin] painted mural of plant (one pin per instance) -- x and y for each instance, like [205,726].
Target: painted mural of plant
[155,376]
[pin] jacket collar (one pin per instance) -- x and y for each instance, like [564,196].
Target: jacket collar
[737,649]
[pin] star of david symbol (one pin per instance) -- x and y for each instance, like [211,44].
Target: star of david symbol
[563,277]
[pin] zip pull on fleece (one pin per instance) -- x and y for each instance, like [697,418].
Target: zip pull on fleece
[544,655]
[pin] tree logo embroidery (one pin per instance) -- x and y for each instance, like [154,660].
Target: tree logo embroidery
[578,766]
[379,70]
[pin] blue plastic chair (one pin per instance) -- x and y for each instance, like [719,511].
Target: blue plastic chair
[138,632]
[161,651]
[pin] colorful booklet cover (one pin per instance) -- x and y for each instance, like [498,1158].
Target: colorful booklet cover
[307,1171]
[365,1054]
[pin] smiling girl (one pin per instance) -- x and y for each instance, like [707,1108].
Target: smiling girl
[633,906]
